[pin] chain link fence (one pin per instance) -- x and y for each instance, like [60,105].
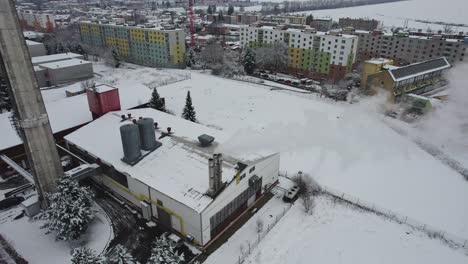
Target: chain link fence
[451,240]
[247,248]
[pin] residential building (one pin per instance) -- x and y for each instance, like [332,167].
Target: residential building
[322,24]
[286,19]
[373,66]
[359,23]
[146,45]
[36,21]
[403,48]
[174,176]
[313,54]
[416,78]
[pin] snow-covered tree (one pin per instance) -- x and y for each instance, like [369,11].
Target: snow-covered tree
[85,255]
[248,61]
[309,20]
[116,58]
[212,55]
[156,101]
[121,255]
[70,210]
[5,102]
[191,58]
[230,10]
[164,252]
[189,111]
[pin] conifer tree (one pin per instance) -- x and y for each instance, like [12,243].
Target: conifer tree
[191,60]
[248,61]
[121,255]
[164,252]
[70,210]
[230,10]
[189,111]
[86,256]
[156,101]
[115,58]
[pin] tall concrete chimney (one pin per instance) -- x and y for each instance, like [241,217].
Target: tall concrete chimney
[28,104]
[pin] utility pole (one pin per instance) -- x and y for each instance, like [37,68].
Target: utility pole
[28,105]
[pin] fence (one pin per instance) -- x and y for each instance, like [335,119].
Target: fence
[451,240]
[260,236]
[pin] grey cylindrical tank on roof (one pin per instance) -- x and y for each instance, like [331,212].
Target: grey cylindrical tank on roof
[147,134]
[130,135]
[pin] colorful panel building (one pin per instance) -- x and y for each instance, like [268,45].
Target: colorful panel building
[141,45]
[310,53]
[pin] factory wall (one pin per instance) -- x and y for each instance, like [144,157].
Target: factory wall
[266,168]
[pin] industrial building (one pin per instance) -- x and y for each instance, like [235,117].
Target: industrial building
[36,48]
[56,69]
[145,45]
[64,71]
[171,169]
[314,54]
[404,48]
[416,78]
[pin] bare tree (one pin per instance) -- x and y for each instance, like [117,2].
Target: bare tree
[273,57]
[259,225]
[308,188]
[308,203]
[448,29]
[211,55]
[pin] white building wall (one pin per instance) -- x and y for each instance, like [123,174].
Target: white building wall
[138,191]
[267,169]
[339,48]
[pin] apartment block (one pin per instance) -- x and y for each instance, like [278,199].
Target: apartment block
[145,45]
[404,48]
[36,21]
[358,23]
[310,53]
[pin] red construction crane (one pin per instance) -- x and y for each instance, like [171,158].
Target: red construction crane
[192,28]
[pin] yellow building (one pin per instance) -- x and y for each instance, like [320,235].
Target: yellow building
[371,67]
[417,78]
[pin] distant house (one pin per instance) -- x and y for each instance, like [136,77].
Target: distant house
[415,78]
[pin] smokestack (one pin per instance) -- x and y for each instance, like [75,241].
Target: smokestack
[219,172]
[211,173]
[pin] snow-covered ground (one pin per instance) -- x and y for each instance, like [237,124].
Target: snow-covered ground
[345,147]
[336,233]
[36,247]
[395,14]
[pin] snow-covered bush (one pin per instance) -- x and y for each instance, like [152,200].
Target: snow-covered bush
[70,210]
[164,252]
[86,256]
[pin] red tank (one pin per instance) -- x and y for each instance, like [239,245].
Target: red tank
[103,99]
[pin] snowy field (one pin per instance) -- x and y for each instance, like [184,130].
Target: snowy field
[395,14]
[336,233]
[36,247]
[345,147]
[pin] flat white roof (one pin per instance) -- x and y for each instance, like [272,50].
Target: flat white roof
[54,57]
[378,60]
[179,168]
[64,63]
[33,43]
